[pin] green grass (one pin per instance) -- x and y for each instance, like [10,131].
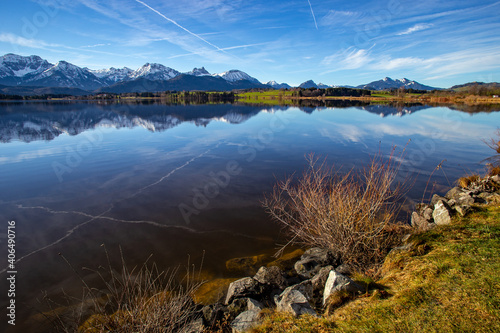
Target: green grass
[449,281]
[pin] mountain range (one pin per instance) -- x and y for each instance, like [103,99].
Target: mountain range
[33,75]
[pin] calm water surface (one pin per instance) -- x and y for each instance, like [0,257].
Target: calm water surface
[179,181]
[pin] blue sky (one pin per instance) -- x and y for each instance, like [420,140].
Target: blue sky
[439,43]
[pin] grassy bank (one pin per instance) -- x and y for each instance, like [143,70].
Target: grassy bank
[448,280]
[284,97]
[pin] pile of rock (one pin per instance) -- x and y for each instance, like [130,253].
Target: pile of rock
[306,287]
[302,289]
[458,200]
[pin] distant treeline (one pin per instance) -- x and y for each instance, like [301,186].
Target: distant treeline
[33,97]
[197,97]
[341,91]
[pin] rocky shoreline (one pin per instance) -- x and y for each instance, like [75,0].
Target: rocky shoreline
[304,286]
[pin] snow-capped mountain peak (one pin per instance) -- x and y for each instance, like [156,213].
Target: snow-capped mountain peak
[64,74]
[19,66]
[387,83]
[154,72]
[235,75]
[112,75]
[323,86]
[277,85]
[198,72]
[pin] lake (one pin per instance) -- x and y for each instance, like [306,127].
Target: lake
[179,181]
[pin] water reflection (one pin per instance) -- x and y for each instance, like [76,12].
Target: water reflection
[29,122]
[77,175]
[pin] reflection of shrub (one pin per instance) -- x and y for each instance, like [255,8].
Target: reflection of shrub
[137,300]
[351,214]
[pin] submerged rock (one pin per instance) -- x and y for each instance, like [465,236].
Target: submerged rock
[246,265]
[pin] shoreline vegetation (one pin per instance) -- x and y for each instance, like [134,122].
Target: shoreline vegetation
[283,97]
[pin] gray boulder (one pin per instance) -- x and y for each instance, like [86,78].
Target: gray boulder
[313,260]
[454,193]
[241,305]
[318,284]
[464,199]
[246,287]
[293,301]
[337,282]
[272,276]
[436,198]
[441,213]
[319,280]
[245,321]
[420,222]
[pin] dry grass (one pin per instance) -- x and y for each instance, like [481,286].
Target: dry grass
[352,214]
[446,282]
[143,299]
[493,170]
[467,181]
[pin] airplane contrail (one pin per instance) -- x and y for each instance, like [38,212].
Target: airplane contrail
[180,26]
[312,12]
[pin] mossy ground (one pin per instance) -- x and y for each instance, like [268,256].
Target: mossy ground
[447,281]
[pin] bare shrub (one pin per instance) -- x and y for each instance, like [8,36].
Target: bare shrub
[353,214]
[143,299]
[494,161]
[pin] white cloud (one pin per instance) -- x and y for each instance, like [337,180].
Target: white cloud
[415,28]
[339,18]
[350,58]
[397,63]
[21,41]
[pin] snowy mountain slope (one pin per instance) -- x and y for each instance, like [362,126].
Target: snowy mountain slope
[112,75]
[235,75]
[154,72]
[13,67]
[388,83]
[198,72]
[277,85]
[64,74]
